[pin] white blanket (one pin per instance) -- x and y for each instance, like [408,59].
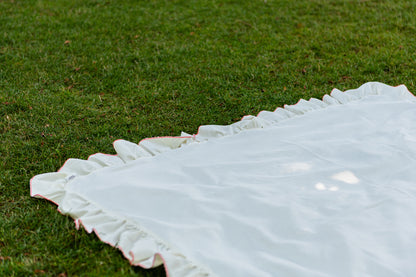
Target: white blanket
[320,188]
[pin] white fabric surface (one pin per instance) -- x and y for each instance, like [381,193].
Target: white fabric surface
[320,188]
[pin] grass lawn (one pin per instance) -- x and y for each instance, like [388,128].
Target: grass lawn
[77,75]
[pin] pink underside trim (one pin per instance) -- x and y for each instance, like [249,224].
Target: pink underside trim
[193,136]
[38,195]
[78,223]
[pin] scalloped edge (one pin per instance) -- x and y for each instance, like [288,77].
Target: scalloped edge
[138,245]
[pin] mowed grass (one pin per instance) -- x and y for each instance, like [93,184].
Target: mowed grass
[76,75]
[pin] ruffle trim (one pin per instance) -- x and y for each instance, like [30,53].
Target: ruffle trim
[137,244]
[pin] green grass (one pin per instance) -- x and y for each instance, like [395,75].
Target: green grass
[76,75]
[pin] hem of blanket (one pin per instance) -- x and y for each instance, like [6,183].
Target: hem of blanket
[138,245]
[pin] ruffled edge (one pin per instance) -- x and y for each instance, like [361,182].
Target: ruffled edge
[138,245]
